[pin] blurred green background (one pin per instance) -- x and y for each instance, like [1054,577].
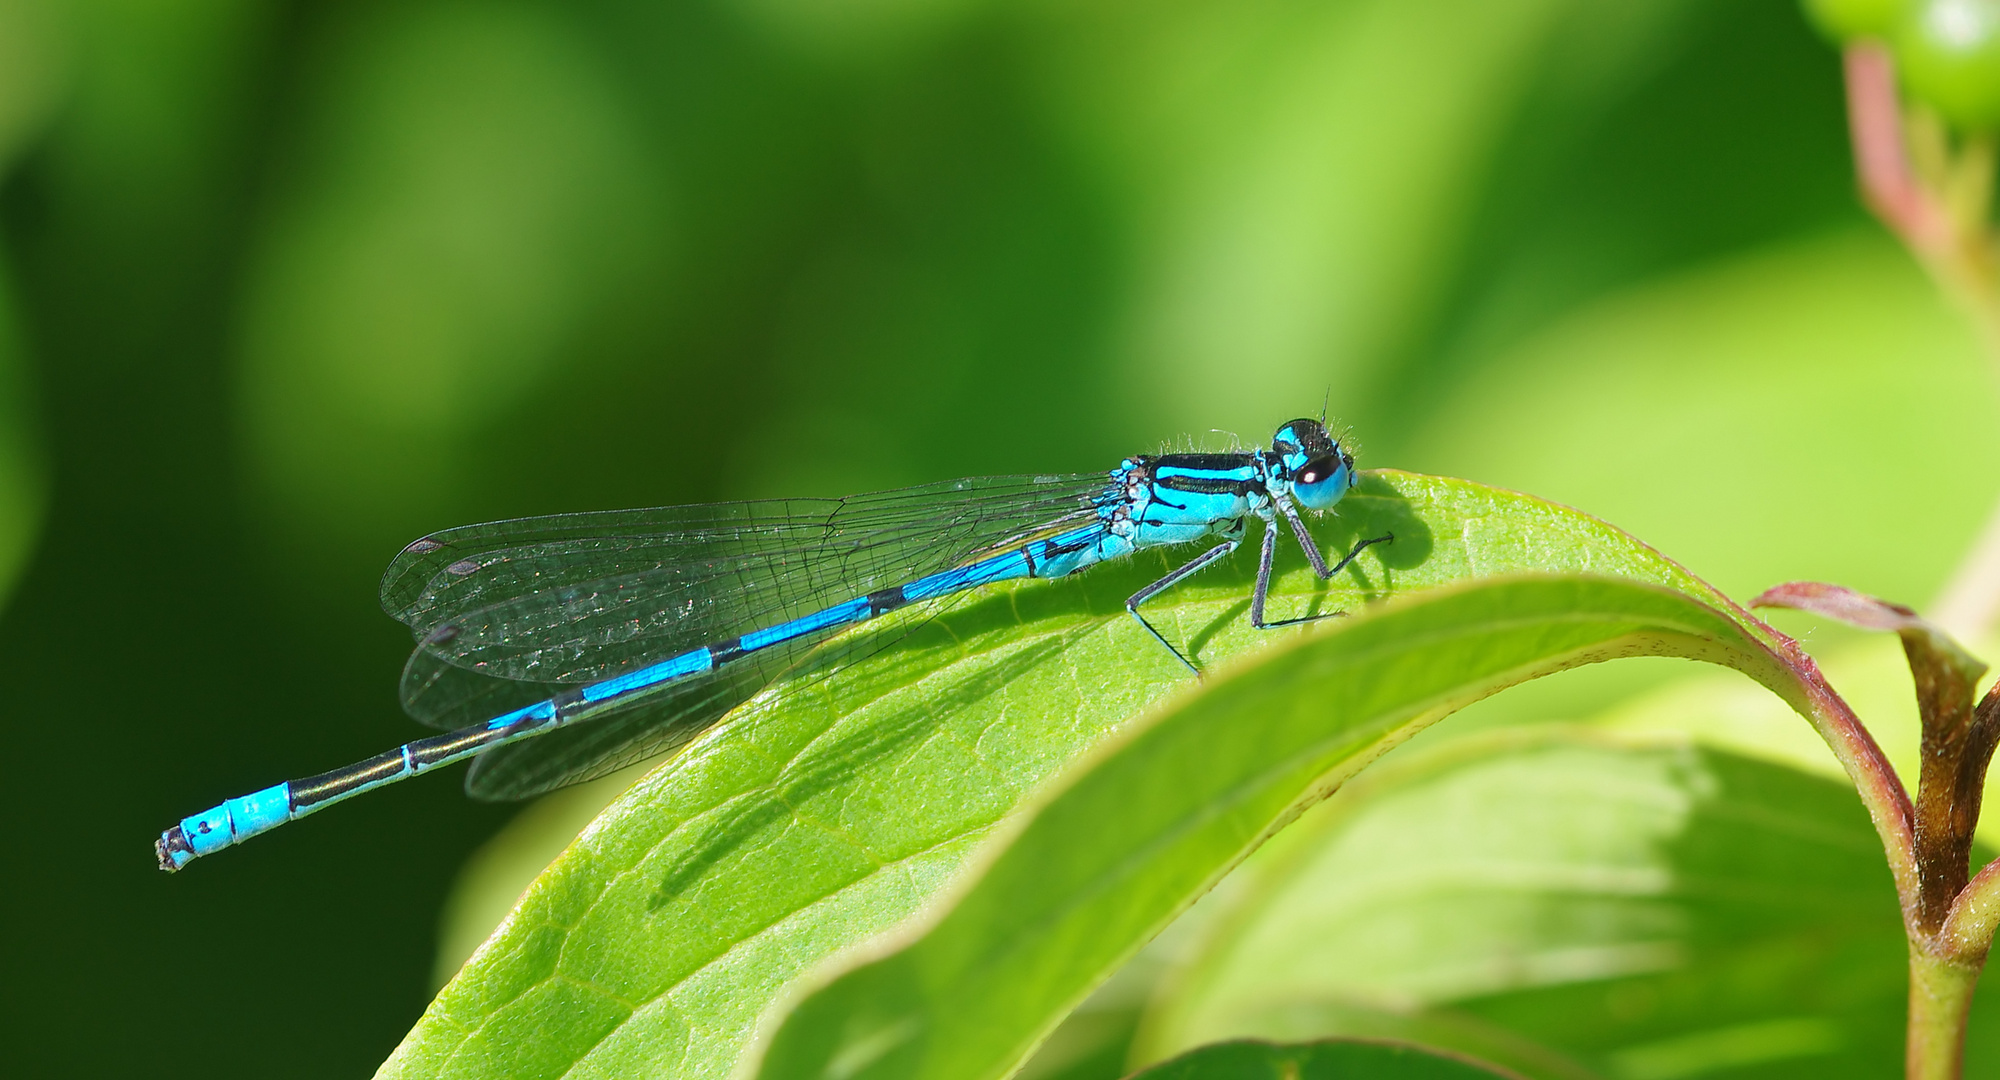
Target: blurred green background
[283,286]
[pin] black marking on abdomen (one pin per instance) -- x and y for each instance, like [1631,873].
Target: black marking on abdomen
[724,651]
[1028,557]
[886,600]
[439,748]
[332,785]
[567,703]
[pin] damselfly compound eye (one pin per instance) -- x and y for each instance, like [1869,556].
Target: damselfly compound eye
[1321,482]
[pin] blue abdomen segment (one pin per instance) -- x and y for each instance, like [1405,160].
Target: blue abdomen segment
[237,819]
[1055,556]
[853,611]
[680,667]
[1079,550]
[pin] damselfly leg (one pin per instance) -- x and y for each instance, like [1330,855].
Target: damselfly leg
[1305,539]
[1194,566]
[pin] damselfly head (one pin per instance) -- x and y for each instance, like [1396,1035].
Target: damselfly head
[1300,441]
[1319,469]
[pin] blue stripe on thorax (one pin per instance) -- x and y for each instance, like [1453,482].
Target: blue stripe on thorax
[1241,474]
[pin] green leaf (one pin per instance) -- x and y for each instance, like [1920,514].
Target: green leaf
[1333,1059]
[1194,787]
[1556,814]
[829,811]
[1568,902]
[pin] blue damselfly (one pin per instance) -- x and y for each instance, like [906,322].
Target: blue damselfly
[559,649]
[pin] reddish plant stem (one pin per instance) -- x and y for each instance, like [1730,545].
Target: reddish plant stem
[1875,780]
[1889,185]
[1957,745]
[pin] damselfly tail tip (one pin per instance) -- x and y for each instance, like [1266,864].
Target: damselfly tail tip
[173,849]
